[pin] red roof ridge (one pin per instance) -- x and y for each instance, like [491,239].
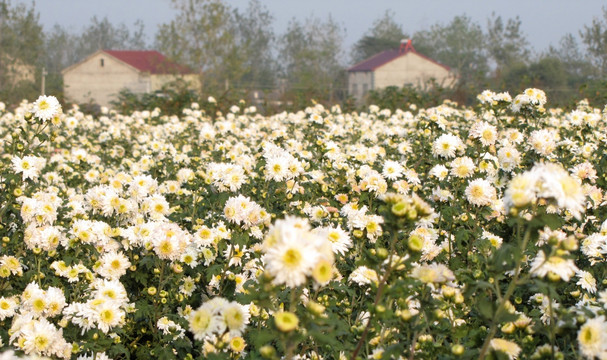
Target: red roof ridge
[386,56]
[151,61]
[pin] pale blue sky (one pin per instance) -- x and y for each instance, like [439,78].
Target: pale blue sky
[543,21]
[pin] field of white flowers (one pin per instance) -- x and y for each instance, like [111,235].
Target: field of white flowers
[436,233]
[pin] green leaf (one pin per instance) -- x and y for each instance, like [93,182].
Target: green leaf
[262,337]
[486,307]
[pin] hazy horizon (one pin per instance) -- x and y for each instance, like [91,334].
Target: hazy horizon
[544,23]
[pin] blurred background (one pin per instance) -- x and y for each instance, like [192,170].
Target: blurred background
[281,55]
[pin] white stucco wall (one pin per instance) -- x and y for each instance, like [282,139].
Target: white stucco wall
[90,80]
[410,69]
[359,83]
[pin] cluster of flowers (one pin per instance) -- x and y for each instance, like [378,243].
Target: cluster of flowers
[304,235]
[530,99]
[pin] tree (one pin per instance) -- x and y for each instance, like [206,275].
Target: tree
[460,45]
[102,34]
[385,34]
[21,47]
[594,37]
[506,43]
[202,37]
[254,39]
[576,62]
[311,54]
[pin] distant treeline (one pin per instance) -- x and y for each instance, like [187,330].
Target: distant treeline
[238,54]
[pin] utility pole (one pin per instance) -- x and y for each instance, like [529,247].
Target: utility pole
[44,73]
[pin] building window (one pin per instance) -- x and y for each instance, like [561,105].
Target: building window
[354,89]
[365,89]
[101,62]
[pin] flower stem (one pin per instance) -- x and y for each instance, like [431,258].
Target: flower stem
[511,287]
[380,290]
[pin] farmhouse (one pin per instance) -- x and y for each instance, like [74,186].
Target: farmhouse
[102,75]
[397,67]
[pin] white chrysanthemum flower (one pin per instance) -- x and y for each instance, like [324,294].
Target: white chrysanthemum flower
[462,167]
[188,286]
[156,207]
[108,315]
[586,281]
[446,146]
[277,168]
[55,302]
[563,268]
[480,192]
[236,318]
[8,306]
[29,166]
[46,107]
[556,183]
[290,262]
[363,275]
[170,241]
[543,141]
[509,157]
[433,273]
[594,246]
[521,191]
[511,349]
[439,171]
[169,327]
[392,170]
[339,238]
[113,265]
[484,132]
[495,240]
[111,290]
[592,338]
[204,322]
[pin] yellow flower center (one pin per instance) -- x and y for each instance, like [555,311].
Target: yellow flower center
[292,258]
[200,321]
[476,191]
[107,316]
[166,247]
[41,342]
[333,236]
[38,305]
[323,272]
[110,293]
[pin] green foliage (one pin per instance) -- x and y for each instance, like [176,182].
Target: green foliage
[423,273]
[21,48]
[171,99]
[312,56]
[394,98]
[385,34]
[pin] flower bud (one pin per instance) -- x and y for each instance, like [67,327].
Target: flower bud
[267,351]
[415,243]
[400,208]
[457,349]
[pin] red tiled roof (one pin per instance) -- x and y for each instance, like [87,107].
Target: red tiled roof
[149,61]
[385,57]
